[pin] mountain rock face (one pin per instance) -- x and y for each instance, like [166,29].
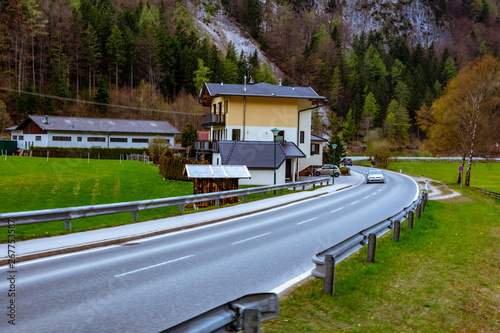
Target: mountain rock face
[414,19]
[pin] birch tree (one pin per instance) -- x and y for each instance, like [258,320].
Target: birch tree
[461,118]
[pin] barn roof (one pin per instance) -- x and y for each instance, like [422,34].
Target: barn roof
[76,124]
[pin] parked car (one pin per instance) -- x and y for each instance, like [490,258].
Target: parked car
[346,161]
[375,176]
[327,169]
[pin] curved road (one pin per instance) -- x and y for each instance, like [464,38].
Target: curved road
[154,283]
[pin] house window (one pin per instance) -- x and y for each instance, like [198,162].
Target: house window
[215,109]
[79,139]
[314,148]
[14,137]
[95,139]
[236,134]
[118,140]
[38,138]
[21,137]
[61,138]
[281,136]
[139,140]
[301,136]
[226,106]
[220,107]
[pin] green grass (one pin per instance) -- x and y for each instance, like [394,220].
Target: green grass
[483,175]
[443,275]
[28,184]
[33,183]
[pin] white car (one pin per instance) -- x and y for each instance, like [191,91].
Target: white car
[375,176]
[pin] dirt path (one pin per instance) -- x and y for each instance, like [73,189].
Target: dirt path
[437,190]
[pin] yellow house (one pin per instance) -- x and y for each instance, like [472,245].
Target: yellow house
[240,121]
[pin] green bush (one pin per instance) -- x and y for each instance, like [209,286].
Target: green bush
[172,167]
[73,152]
[345,171]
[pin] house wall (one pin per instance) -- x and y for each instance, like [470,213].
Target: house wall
[71,139]
[265,177]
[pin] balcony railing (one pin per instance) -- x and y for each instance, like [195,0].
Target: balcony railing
[208,146]
[208,120]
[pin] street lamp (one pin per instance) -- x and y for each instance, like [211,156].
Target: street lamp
[275,134]
[334,146]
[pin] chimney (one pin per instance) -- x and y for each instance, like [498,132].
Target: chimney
[245,84]
[46,119]
[279,84]
[221,83]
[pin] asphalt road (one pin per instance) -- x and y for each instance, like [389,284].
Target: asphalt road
[152,284]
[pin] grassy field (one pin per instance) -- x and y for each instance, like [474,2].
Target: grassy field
[34,183]
[483,175]
[443,275]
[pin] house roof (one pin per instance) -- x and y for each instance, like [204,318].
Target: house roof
[211,90]
[257,154]
[75,124]
[317,138]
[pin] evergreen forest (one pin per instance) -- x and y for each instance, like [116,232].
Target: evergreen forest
[148,60]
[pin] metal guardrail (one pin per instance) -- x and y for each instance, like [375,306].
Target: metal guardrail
[325,261]
[486,192]
[70,213]
[243,314]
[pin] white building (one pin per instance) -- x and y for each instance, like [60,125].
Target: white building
[55,131]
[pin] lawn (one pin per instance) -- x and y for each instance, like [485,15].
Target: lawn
[443,275]
[35,183]
[483,175]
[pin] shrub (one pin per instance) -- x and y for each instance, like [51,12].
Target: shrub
[74,152]
[172,167]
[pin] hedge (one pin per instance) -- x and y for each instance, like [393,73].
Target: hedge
[172,167]
[103,153]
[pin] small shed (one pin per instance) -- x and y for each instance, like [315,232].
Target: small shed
[216,178]
[8,147]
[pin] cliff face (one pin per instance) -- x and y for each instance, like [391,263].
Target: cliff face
[413,19]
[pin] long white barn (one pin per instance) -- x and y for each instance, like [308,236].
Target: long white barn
[56,131]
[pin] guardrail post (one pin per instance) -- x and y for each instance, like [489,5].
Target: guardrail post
[243,198]
[251,320]
[372,245]
[181,208]
[294,188]
[303,188]
[281,191]
[329,281]
[216,202]
[410,219]
[264,194]
[67,225]
[314,185]
[397,230]
[134,215]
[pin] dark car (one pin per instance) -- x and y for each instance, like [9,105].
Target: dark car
[347,161]
[327,169]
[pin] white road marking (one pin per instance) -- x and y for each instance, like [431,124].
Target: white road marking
[153,266]
[366,197]
[291,283]
[314,218]
[336,210]
[245,240]
[355,202]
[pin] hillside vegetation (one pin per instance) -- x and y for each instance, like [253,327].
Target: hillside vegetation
[153,56]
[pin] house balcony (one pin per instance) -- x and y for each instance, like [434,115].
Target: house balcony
[211,119]
[207,146]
